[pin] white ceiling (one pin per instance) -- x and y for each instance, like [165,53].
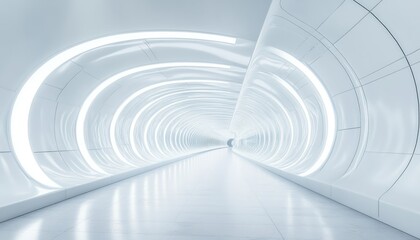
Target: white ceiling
[41,29]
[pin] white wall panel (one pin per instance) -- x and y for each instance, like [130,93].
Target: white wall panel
[369,4]
[78,89]
[283,27]
[392,104]
[400,205]
[345,147]
[170,50]
[364,47]
[363,187]
[332,74]
[310,50]
[109,60]
[401,18]
[57,169]
[414,58]
[48,92]
[12,177]
[385,71]
[107,158]
[75,161]
[311,12]
[347,110]
[342,20]
[307,92]
[63,75]
[296,78]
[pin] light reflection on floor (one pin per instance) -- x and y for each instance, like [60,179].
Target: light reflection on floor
[211,196]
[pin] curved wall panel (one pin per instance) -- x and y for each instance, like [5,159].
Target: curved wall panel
[360,53]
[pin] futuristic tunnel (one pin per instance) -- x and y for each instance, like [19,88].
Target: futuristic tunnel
[317,98]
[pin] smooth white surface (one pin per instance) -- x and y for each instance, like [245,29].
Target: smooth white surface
[347,110]
[332,74]
[400,103]
[402,20]
[371,39]
[304,8]
[342,20]
[215,195]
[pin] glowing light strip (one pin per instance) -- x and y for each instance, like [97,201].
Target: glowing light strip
[19,124]
[302,104]
[158,126]
[329,109]
[289,120]
[127,101]
[80,126]
[151,119]
[144,108]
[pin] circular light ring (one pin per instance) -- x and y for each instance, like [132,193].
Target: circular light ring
[80,126]
[273,126]
[331,120]
[260,149]
[263,110]
[269,127]
[250,117]
[174,103]
[187,128]
[19,123]
[181,112]
[170,123]
[138,93]
[139,96]
[189,107]
[154,102]
[296,96]
[144,141]
[163,133]
[289,89]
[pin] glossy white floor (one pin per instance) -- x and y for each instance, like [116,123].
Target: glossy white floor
[215,195]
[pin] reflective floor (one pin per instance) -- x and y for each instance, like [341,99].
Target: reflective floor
[215,195]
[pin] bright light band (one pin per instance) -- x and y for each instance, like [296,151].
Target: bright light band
[19,124]
[80,126]
[331,122]
[135,95]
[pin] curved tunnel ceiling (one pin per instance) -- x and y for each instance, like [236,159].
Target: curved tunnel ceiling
[205,82]
[323,93]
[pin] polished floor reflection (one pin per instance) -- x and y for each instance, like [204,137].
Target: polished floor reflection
[212,196]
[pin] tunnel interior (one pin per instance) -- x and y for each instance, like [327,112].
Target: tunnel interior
[323,93]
